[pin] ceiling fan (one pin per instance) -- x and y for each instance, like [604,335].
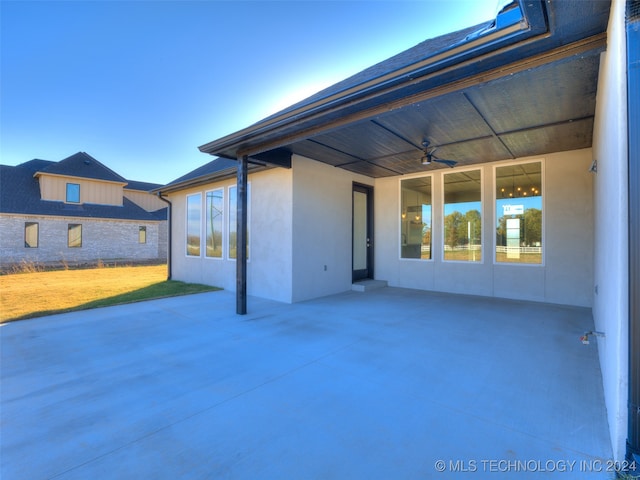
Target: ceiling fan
[429,156]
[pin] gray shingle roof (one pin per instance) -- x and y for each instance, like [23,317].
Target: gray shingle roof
[216,169]
[214,166]
[82,165]
[20,194]
[426,49]
[422,51]
[141,186]
[36,164]
[161,214]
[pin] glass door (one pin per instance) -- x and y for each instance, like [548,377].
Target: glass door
[362,253]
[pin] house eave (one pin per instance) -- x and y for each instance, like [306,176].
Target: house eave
[249,141]
[74,177]
[222,175]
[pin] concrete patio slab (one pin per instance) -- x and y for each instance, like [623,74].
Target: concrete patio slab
[391,383]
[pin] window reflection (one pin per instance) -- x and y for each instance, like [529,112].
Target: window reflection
[214,211]
[519,213]
[415,218]
[463,216]
[194,208]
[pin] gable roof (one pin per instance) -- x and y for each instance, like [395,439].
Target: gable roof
[81,165]
[20,194]
[36,164]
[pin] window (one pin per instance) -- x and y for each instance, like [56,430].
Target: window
[74,235]
[194,207]
[233,225]
[30,235]
[415,218]
[519,213]
[142,234]
[73,193]
[214,212]
[462,216]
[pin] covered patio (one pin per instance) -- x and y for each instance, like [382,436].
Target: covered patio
[390,383]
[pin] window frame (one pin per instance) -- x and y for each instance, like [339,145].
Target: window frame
[142,228]
[31,224]
[508,163]
[67,193]
[186,250]
[70,227]
[400,219]
[223,233]
[443,205]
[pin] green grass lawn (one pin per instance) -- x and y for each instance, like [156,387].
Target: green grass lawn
[523,258]
[28,295]
[463,255]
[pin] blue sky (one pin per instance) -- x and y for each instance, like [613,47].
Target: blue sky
[140,85]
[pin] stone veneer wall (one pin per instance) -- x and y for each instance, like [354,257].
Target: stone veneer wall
[101,240]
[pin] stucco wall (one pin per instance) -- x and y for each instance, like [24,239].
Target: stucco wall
[564,278]
[610,301]
[101,240]
[270,236]
[300,237]
[322,198]
[300,222]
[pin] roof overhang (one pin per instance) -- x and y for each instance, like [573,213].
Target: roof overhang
[206,178]
[78,178]
[524,89]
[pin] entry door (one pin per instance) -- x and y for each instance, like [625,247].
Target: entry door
[362,232]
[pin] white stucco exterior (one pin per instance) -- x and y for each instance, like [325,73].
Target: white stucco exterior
[299,222]
[301,236]
[269,264]
[611,262]
[564,277]
[322,228]
[301,233]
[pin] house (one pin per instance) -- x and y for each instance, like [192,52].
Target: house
[76,211]
[501,160]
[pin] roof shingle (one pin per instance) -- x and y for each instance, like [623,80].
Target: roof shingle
[82,165]
[20,194]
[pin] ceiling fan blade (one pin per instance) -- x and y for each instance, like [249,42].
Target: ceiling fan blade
[448,163]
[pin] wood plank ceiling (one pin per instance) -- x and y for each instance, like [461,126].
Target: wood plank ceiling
[540,110]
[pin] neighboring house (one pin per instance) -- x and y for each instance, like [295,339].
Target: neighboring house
[346,185]
[78,211]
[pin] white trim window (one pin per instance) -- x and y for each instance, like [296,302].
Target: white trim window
[518,213]
[214,210]
[462,191]
[194,224]
[415,218]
